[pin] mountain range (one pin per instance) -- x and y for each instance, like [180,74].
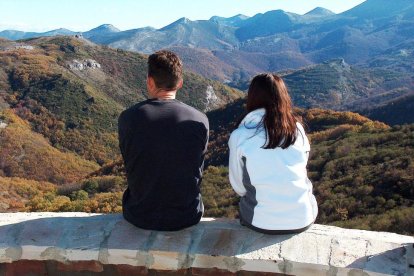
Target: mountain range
[271,41]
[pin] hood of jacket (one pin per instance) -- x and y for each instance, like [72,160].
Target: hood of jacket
[254,118]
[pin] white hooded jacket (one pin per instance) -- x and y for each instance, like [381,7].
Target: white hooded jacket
[276,192]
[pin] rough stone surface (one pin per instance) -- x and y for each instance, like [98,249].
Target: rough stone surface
[84,64]
[211,99]
[19,46]
[89,244]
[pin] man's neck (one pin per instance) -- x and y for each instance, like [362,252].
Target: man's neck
[165,95]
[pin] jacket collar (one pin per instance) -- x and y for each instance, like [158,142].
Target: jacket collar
[254,118]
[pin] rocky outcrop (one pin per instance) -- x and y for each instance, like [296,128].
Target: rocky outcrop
[84,244]
[212,101]
[19,46]
[85,64]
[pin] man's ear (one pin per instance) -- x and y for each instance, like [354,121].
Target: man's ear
[150,82]
[151,87]
[180,84]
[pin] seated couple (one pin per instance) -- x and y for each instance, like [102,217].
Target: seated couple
[163,142]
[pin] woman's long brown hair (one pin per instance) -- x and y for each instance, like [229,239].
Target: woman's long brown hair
[268,91]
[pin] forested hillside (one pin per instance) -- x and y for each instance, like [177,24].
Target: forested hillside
[395,112]
[27,154]
[72,91]
[60,98]
[337,85]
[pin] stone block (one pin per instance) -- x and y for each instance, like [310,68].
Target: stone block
[128,245]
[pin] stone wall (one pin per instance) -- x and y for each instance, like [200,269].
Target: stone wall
[90,244]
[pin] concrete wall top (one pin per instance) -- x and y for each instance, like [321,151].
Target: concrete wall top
[94,242]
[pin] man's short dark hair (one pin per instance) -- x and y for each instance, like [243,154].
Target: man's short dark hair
[166,68]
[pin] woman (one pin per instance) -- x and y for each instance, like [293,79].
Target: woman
[268,155]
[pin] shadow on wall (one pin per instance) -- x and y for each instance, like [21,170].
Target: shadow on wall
[384,261]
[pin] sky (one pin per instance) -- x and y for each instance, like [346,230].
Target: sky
[83,15]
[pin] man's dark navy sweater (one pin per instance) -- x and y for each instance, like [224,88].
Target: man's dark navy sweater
[163,143]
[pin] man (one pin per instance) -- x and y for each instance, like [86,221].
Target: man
[163,142]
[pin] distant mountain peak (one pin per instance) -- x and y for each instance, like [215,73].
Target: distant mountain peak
[230,21]
[319,11]
[102,30]
[240,16]
[279,15]
[183,20]
[107,28]
[279,11]
[62,30]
